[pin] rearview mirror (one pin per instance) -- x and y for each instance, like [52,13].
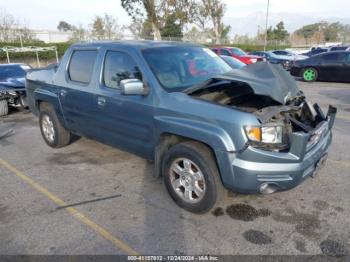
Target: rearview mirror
[132,87]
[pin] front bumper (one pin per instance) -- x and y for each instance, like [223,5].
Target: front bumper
[255,167]
[295,71]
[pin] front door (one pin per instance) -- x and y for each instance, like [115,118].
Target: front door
[125,121]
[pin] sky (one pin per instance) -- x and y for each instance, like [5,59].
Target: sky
[244,16]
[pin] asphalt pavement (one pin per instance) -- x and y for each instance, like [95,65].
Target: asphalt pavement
[89,198]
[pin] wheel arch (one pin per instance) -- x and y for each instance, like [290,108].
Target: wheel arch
[43,96]
[177,133]
[166,141]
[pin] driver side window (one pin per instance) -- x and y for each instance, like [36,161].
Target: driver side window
[119,66]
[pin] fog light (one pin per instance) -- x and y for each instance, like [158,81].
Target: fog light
[266,188]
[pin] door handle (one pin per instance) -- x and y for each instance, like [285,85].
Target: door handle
[101,101]
[63,92]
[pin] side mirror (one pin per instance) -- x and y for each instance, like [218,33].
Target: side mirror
[133,87]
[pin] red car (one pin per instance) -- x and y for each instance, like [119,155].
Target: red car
[237,53]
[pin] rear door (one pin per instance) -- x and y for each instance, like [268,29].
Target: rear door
[76,94]
[329,66]
[126,121]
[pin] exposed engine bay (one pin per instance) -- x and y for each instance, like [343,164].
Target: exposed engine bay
[296,115]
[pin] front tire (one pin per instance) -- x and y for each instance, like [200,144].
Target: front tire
[4,108]
[54,134]
[191,177]
[309,74]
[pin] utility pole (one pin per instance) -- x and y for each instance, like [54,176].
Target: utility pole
[267,20]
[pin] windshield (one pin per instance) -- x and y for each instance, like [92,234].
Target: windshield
[238,51]
[178,68]
[233,62]
[11,71]
[271,54]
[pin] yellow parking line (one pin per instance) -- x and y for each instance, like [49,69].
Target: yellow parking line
[78,215]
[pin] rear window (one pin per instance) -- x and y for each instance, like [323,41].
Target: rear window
[81,65]
[238,51]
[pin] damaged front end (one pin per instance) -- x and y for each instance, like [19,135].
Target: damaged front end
[281,125]
[288,121]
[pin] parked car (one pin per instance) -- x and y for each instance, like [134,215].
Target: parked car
[315,51]
[233,62]
[12,86]
[293,55]
[207,127]
[330,66]
[284,61]
[237,53]
[338,48]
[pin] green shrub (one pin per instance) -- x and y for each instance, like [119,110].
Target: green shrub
[61,48]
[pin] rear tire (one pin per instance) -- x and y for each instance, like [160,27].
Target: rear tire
[195,185]
[309,74]
[54,134]
[4,108]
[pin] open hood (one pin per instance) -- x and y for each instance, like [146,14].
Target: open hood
[264,79]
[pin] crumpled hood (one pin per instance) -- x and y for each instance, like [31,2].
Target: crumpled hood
[264,79]
[18,82]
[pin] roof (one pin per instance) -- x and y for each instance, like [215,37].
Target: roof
[12,64]
[138,44]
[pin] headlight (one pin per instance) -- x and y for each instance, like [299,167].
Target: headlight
[286,64]
[265,134]
[253,60]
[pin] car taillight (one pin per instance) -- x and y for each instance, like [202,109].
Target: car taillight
[253,60]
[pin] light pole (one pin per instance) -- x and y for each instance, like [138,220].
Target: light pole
[267,19]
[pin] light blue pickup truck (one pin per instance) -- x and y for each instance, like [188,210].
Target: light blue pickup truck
[207,127]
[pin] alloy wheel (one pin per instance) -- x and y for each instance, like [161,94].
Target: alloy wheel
[187,180]
[309,74]
[48,128]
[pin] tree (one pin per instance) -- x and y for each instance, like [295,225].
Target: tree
[331,31]
[139,8]
[141,29]
[12,30]
[277,33]
[79,33]
[196,35]
[211,12]
[270,34]
[111,27]
[280,33]
[64,26]
[7,24]
[156,12]
[105,27]
[172,27]
[97,28]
